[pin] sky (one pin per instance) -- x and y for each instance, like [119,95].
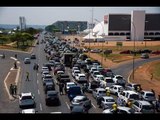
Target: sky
[49,15]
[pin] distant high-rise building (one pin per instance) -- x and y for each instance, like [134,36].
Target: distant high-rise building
[22,22]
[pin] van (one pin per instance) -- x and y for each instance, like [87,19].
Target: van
[74,91]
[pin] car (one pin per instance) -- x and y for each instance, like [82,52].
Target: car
[78,109]
[147,96]
[107,82]
[107,102]
[75,73]
[90,86]
[93,75]
[75,68]
[81,78]
[47,80]
[99,78]
[116,89]
[49,86]
[145,55]
[44,69]
[27,61]
[133,86]
[93,69]
[33,56]
[28,111]
[74,91]
[98,92]
[63,78]
[47,76]
[52,98]
[26,100]
[81,100]
[143,106]
[44,73]
[127,95]
[119,80]
[70,84]
[120,110]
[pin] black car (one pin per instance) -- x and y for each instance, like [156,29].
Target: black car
[52,98]
[49,86]
[78,109]
[33,56]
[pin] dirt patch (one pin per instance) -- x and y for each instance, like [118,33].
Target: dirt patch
[143,77]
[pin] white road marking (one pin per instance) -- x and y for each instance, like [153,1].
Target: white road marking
[12,68]
[37,74]
[38,92]
[17,76]
[67,105]
[10,97]
[13,58]
[129,77]
[37,81]
[93,105]
[40,106]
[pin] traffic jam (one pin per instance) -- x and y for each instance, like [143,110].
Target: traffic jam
[70,72]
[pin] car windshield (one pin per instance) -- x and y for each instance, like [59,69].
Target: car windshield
[101,92]
[52,95]
[26,97]
[110,100]
[119,77]
[147,107]
[70,85]
[149,94]
[82,78]
[134,96]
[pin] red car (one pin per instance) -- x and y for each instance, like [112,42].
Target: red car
[125,52]
[156,52]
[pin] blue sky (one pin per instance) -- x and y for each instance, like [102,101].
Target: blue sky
[49,15]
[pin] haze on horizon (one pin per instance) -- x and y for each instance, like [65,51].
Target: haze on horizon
[49,15]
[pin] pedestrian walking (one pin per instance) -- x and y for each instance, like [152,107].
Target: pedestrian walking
[15,89]
[27,76]
[108,92]
[15,55]
[151,76]
[11,89]
[60,88]
[15,65]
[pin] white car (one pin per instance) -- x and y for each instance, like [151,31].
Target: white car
[44,69]
[147,95]
[93,75]
[120,110]
[142,106]
[60,72]
[107,82]
[93,69]
[128,95]
[81,78]
[27,61]
[98,92]
[116,89]
[75,68]
[118,79]
[28,111]
[70,84]
[75,73]
[107,102]
[99,78]
[44,73]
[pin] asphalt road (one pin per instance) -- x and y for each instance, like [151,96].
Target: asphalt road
[36,87]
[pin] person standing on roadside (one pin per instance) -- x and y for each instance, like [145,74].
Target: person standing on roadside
[15,65]
[11,89]
[15,89]
[27,76]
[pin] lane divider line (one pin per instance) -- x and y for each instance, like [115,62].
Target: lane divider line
[14,58]
[10,97]
[67,105]
[40,105]
[37,81]
[93,105]
[129,77]
[17,76]
[38,92]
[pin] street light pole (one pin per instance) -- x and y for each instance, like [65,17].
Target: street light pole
[134,47]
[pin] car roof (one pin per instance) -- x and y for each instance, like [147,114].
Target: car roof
[108,97]
[147,91]
[79,97]
[26,94]
[70,83]
[99,75]
[28,111]
[143,102]
[124,108]
[117,86]
[52,92]
[81,74]
[130,91]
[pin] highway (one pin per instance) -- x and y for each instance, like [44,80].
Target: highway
[36,87]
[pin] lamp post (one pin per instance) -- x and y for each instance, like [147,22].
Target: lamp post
[103,34]
[134,47]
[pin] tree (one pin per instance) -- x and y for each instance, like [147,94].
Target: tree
[25,37]
[16,37]
[2,39]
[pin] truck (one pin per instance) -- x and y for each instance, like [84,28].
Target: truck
[67,59]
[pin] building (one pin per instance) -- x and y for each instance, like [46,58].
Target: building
[135,26]
[77,26]
[22,23]
[138,25]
